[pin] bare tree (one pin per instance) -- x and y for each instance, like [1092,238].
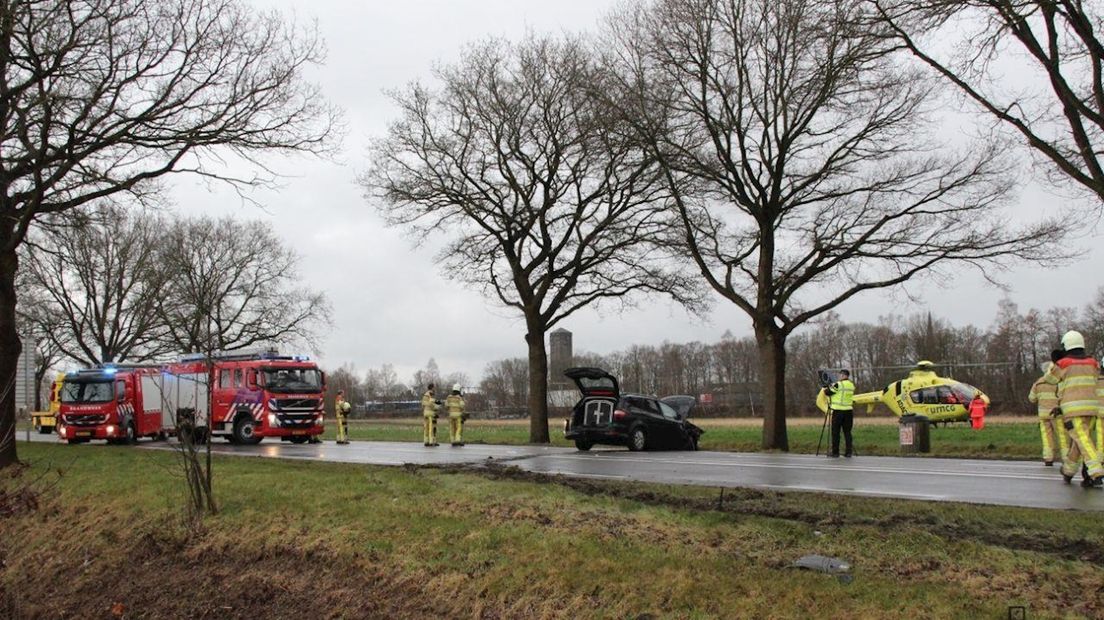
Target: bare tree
[233,285]
[543,201]
[97,285]
[506,384]
[1037,66]
[100,98]
[799,154]
[382,383]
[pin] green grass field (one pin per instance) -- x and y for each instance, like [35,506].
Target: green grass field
[302,540]
[1007,440]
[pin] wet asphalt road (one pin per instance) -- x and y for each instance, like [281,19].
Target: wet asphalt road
[1009,483]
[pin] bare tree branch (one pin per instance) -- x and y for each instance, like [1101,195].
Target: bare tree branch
[547,203]
[799,155]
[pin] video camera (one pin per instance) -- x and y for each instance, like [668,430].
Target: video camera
[828,376]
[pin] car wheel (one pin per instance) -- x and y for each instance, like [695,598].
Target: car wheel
[245,430]
[637,439]
[582,444]
[692,444]
[45,430]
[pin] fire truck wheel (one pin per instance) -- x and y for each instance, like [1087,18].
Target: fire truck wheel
[45,430]
[245,430]
[299,439]
[131,437]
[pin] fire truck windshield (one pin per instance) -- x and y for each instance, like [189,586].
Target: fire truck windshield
[86,391]
[288,380]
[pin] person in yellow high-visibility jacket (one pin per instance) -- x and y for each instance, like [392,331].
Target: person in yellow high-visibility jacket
[454,404]
[1076,377]
[1045,396]
[840,407]
[430,405]
[341,412]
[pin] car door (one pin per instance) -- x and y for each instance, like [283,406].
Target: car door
[224,394]
[641,415]
[657,429]
[673,431]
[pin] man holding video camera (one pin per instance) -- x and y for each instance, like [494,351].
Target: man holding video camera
[840,395]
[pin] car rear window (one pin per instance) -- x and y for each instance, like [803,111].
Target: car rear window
[599,383]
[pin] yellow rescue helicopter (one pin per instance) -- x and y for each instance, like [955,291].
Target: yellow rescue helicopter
[922,392]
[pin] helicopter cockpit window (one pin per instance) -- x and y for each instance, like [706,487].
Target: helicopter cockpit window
[964,392]
[926,396]
[947,396]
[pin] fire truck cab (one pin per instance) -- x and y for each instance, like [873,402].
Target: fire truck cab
[245,397]
[116,403]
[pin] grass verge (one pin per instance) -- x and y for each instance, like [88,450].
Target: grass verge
[298,539]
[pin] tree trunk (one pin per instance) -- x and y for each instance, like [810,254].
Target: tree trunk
[538,384]
[772,384]
[10,346]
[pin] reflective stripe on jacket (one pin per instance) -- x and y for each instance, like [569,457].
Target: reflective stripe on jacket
[1077,378]
[429,404]
[454,404]
[1045,396]
[843,392]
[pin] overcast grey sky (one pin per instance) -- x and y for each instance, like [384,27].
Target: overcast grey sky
[392,304]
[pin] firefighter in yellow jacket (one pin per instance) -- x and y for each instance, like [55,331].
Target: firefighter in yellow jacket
[1100,415]
[1076,377]
[454,404]
[1044,394]
[430,406]
[341,412]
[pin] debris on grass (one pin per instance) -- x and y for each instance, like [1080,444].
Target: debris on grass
[824,564]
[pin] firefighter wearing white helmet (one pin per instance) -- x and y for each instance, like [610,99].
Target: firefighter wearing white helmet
[454,404]
[1076,377]
[1045,396]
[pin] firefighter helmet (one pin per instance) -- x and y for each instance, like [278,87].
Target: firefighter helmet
[1073,340]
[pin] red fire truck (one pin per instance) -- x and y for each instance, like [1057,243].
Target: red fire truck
[116,403]
[243,397]
[248,396]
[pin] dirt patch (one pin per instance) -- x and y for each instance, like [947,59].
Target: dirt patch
[18,495]
[743,501]
[168,575]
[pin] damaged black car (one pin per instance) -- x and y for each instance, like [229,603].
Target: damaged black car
[606,416]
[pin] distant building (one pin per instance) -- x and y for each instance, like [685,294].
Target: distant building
[25,387]
[560,358]
[561,391]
